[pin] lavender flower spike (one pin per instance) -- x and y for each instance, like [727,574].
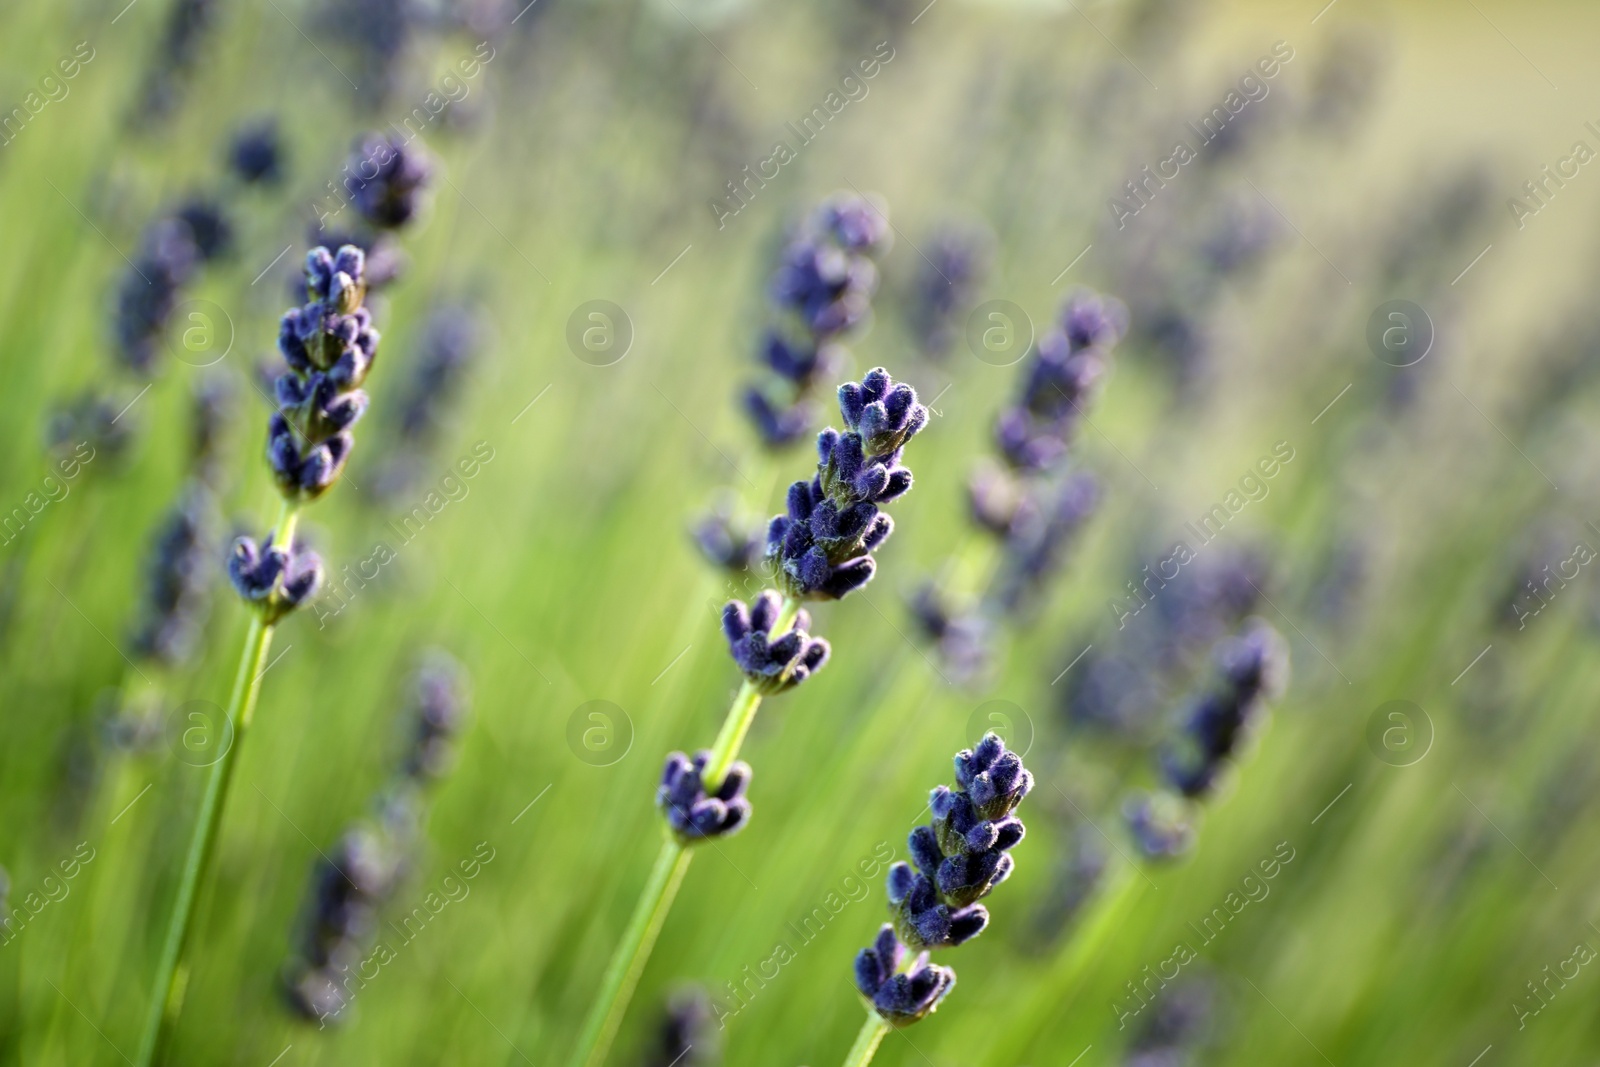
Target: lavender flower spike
[330,346]
[1253,669]
[959,859]
[900,999]
[772,664]
[822,548]
[694,814]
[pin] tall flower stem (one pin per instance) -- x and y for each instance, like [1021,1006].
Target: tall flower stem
[172,973]
[867,1041]
[627,963]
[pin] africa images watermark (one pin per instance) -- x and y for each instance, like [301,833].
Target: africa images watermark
[341,589]
[1155,977]
[55,489]
[1254,487]
[1252,89]
[52,90]
[751,982]
[851,89]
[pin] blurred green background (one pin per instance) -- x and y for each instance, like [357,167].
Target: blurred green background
[1429,885]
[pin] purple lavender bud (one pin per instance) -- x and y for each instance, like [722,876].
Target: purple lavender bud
[1091,320]
[856,223]
[439,709]
[771,665]
[686,1037]
[273,580]
[900,999]
[964,854]
[209,227]
[178,581]
[778,426]
[1162,824]
[256,154]
[691,813]
[391,180]
[947,285]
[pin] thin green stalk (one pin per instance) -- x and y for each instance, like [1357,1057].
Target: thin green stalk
[172,973]
[867,1041]
[627,964]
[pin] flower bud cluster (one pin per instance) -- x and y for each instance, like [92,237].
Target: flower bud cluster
[959,859]
[822,548]
[821,291]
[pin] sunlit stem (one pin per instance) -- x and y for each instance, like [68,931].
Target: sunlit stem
[172,972]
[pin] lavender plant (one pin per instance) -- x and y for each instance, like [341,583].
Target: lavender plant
[329,345]
[821,291]
[820,549]
[371,859]
[957,262]
[1252,670]
[1033,501]
[959,859]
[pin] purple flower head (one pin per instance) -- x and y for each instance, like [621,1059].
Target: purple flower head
[801,363]
[1042,531]
[693,813]
[274,580]
[882,414]
[826,288]
[256,154]
[771,664]
[778,425]
[964,853]
[900,999]
[1089,320]
[439,708]
[855,223]
[726,539]
[1161,823]
[148,294]
[994,778]
[179,580]
[209,227]
[1252,670]
[330,346]
[389,180]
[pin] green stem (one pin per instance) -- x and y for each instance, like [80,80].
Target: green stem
[627,964]
[867,1041]
[172,973]
[743,712]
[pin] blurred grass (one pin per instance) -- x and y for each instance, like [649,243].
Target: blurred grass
[1416,907]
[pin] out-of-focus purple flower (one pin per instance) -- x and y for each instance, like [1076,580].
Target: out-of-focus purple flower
[389,180]
[439,704]
[727,540]
[822,289]
[1253,670]
[256,153]
[955,265]
[1161,823]
[178,582]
